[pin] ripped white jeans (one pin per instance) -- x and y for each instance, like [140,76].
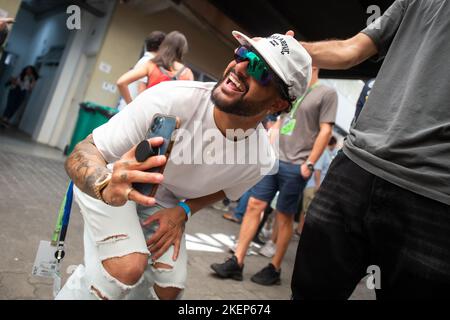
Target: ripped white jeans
[112,232]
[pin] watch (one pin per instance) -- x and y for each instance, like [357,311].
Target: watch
[310,166]
[101,184]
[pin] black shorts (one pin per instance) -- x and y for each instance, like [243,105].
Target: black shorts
[359,221]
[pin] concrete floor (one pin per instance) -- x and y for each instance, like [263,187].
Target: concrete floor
[32,184]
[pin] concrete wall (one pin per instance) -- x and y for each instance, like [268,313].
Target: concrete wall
[45,33]
[124,41]
[31,38]
[50,31]
[20,39]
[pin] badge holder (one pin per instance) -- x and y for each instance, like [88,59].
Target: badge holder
[50,254]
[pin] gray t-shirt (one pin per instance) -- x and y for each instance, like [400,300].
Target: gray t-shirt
[403,132]
[319,106]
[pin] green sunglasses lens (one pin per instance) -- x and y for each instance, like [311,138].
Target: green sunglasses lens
[256,68]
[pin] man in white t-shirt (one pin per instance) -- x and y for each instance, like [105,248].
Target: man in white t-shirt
[134,244]
[152,43]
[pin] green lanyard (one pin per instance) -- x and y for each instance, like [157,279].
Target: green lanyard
[299,101]
[290,123]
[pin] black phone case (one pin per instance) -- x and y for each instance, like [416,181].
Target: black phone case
[164,129]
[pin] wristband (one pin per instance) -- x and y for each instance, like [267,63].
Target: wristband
[186,209]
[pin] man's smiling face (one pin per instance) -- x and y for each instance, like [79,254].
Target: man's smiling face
[239,94]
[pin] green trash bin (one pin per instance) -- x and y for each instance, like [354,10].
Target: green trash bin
[90,116]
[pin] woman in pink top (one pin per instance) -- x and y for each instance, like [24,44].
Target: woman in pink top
[166,65]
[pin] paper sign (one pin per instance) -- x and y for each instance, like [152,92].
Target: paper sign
[112,88]
[104,67]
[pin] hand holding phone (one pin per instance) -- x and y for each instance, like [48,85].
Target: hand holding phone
[144,150]
[161,126]
[127,171]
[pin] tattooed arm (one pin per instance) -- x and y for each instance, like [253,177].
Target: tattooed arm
[86,165]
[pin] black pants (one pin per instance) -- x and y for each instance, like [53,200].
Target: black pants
[357,220]
[16,97]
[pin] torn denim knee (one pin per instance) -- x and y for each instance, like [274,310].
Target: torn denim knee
[105,287]
[112,239]
[117,246]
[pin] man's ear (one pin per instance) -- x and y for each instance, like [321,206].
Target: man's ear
[279,105]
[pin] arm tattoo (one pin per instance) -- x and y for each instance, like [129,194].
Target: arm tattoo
[85,165]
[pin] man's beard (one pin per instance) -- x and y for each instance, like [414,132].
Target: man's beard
[240,107]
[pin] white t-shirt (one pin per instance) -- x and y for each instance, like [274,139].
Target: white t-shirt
[133,87]
[25,85]
[198,163]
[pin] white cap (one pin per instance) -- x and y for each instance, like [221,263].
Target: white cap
[286,57]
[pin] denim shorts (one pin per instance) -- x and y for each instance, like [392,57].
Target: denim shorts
[288,181]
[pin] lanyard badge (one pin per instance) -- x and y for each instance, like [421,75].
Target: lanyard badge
[288,126]
[290,122]
[50,254]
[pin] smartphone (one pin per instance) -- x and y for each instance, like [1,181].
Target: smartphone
[161,126]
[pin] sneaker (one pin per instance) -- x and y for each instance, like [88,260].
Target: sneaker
[268,250]
[257,239]
[229,269]
[268,276]
[266,233]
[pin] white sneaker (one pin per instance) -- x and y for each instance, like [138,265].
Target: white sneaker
[220,206]
[268,250]
[266,233]
[249,252]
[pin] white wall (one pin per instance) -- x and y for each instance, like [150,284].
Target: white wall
[348,94]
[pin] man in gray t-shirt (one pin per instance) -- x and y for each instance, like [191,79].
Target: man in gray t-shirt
[386,198]
[319,106]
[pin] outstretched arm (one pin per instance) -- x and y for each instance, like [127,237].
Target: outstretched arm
[341,54]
